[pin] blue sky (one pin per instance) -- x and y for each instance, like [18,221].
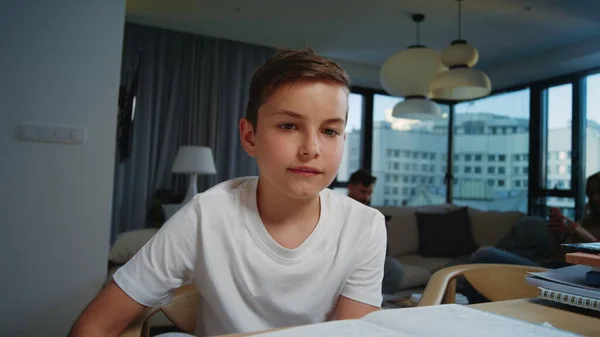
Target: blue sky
[513,104]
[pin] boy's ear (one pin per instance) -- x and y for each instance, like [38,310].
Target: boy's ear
[247,136]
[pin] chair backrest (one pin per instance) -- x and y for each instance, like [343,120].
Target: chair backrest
[496,282]
[183,309]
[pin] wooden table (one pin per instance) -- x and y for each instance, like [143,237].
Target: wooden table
[538,311]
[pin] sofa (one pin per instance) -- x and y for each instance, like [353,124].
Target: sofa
[488,228]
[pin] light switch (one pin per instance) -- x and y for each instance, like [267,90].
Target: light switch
[52,133]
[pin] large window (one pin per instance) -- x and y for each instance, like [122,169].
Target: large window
[559,105]
[491,152]
[592,144]
[494,141]
[408,157]
[351,160]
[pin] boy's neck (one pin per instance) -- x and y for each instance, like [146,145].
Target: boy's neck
[276,209]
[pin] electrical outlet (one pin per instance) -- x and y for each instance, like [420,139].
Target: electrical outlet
[52,133]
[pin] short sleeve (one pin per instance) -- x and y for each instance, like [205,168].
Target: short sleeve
[364,283]
[166,262]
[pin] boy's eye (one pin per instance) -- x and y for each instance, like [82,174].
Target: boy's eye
[287,126]
[331,132]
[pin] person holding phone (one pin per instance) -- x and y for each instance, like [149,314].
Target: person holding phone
[565,230]
[561,229]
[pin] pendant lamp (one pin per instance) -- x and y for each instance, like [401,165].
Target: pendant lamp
[408,73]
[461,81]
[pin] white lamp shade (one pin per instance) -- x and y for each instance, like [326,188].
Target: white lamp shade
[195,160]
[417,108]
[461,84]
[460,54]
[410,72]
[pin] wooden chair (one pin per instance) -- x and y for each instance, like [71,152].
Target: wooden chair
[497,282]
[181,311]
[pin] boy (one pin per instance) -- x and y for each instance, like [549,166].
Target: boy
[277,250]
[360,188]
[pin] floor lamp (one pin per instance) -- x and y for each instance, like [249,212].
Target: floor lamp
[194,160]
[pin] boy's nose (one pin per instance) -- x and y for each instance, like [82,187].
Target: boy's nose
[310,148]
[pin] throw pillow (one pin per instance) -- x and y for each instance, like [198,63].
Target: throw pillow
[129,243]
[445,234]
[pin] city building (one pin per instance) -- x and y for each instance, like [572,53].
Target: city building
[490,163]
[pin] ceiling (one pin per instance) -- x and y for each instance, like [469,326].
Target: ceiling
[518,40]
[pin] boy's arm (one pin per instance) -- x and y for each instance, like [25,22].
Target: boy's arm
[109,313]
[147,280]
[362,292]
[350,309]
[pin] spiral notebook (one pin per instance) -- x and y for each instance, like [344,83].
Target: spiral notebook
[570,299]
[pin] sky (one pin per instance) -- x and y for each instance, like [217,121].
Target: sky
[512,104]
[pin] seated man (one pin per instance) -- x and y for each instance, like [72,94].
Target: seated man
[360,188]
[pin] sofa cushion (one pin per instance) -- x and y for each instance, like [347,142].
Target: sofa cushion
[432,264]
[489,227]
[129,243]
[403,237]
[414,276]
[445,234]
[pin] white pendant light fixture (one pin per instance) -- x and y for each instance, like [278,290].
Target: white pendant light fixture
[461,81]
[408,74]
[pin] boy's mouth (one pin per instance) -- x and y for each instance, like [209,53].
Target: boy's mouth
[305,170]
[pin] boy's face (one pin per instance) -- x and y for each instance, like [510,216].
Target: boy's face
[299,137]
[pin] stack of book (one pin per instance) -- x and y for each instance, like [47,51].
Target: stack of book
[575,285]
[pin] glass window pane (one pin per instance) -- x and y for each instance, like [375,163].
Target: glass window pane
[560,114]
[542,206]
[592,144]
[424,144]
[351,157]
[496,130]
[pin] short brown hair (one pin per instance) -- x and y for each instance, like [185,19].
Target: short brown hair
[289,66]
[591,185]
[362,177]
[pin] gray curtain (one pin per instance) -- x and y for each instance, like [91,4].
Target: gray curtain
[192,91]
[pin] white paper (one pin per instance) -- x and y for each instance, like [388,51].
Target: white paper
[345,328]
[453,320]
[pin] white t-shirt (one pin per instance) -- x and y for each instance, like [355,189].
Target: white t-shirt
[247,281]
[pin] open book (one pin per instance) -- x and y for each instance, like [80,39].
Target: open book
[434,321]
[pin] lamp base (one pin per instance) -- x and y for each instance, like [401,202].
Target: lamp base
[192,188]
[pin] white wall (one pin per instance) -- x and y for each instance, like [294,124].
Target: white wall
[59,63]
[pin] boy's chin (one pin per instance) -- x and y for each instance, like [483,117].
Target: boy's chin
[304,190]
